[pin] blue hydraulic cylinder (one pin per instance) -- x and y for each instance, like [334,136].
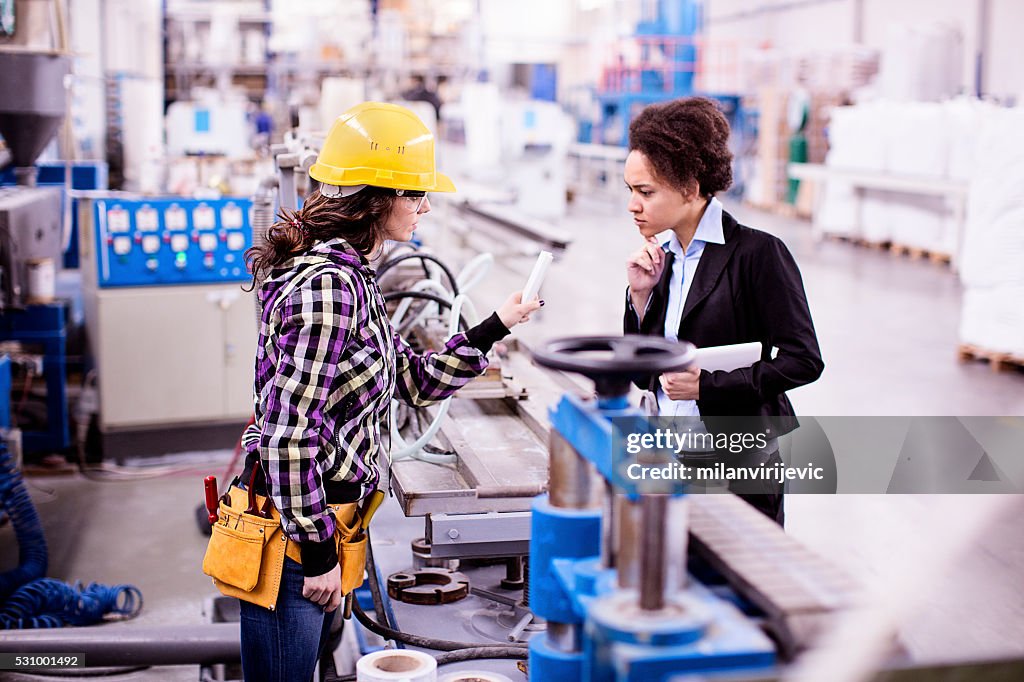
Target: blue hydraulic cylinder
[557,534]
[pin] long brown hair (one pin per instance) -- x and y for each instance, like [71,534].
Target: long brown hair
[359,219]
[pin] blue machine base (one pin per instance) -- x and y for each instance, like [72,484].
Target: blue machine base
[550,664]
[45,325]
[615,648]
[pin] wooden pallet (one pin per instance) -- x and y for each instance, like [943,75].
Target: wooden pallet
[913,252]
[998,361]
[877,246]
[916,253]
[857,241]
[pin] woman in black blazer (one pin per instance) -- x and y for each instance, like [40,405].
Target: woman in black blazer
[714,282]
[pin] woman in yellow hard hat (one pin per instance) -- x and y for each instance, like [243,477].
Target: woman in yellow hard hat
[328,363]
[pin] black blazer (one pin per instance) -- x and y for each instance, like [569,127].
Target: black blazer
[747,289]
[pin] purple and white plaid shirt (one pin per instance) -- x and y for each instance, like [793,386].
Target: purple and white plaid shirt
[327,365]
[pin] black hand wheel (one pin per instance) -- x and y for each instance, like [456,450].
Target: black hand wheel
[613,361]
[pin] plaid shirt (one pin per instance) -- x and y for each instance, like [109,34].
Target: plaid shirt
[327,365]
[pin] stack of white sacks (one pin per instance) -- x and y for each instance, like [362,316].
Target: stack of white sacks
[920,140]
[992,255]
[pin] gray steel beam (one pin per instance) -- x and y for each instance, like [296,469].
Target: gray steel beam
[479,535]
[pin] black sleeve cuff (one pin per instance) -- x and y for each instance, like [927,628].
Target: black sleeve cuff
[485,334]
[318,557]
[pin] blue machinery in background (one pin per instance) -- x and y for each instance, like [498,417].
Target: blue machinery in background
[85,175]
[602,580]
[46,326]
[669,57]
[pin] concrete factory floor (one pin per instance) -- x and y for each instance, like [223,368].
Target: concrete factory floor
[887,328]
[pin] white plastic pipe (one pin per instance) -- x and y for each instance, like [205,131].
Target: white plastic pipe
[399,448]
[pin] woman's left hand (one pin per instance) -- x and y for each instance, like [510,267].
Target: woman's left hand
[513,311]
[682,385]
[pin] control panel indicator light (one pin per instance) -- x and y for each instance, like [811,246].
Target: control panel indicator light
[204,217]
[231,216]
[118,220]
[175,218]
[208,242]
[236,241]
[146,219]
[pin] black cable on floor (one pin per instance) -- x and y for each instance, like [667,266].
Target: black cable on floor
[419,640]
[371,574]
[483,652]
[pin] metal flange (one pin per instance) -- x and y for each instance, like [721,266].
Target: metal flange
[428,586]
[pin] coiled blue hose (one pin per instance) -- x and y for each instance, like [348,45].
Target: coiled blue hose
[14,499]
[49,603]
[31,601]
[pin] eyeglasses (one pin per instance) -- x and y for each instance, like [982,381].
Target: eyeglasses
[412,200]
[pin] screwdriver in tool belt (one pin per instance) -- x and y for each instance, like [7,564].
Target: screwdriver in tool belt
[210,486]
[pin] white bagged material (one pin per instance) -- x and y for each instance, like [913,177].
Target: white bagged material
[921,63]
[921,221]
[918,141]
[965,117]
[993,251]
[859,137]
[992,318]
[837,213]
[876,216]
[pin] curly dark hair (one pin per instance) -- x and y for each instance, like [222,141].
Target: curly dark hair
[685,140]
[359,219]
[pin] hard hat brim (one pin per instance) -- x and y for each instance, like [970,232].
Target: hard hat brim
[444,184]
[370,176]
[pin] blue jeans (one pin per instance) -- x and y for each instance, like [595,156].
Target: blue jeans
[284,645]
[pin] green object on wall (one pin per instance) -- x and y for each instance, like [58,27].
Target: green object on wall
[6,17]
[797,154]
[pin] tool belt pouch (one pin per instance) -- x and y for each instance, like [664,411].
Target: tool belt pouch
[351,545]
[246,553]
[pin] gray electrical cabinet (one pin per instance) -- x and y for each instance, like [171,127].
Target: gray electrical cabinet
[166,354]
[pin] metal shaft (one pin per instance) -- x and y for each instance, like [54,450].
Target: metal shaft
[627,542]
[286,164]
[572,484]
[564,636]
[609,529]
[653,567]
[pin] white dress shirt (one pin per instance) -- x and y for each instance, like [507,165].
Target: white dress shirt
[684,266]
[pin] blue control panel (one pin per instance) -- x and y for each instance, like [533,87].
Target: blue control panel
[143,242]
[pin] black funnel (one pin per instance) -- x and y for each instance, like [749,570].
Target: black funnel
[31,101]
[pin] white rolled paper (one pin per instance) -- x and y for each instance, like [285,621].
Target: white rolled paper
[396,665]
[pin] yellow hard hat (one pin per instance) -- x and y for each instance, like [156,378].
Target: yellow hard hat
[383,145]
